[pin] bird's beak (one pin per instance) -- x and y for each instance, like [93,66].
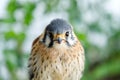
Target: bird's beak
[59,38]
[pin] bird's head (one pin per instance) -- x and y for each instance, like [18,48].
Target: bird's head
[59,32]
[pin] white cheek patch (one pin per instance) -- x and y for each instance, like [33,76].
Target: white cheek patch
[47,41]
[71,41]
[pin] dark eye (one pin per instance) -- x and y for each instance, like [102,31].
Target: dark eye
[67,34]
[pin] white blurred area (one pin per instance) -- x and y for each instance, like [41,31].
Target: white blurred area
[39,23]
[113,7]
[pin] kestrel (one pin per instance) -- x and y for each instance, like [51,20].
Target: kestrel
[56,54]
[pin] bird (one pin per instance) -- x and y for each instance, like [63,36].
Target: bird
[56,54]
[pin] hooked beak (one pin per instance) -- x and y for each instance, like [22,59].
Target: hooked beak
[59,40]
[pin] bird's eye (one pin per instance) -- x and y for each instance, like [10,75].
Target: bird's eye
[67,34]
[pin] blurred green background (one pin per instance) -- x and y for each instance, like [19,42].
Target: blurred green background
[96,23]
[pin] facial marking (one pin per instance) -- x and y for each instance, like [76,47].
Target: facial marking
[47,41]
[58,32]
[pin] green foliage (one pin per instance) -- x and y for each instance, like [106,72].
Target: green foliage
[102,63]
[51,6]
[28,10]
[74,12]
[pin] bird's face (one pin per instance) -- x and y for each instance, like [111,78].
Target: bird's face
[59,32]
